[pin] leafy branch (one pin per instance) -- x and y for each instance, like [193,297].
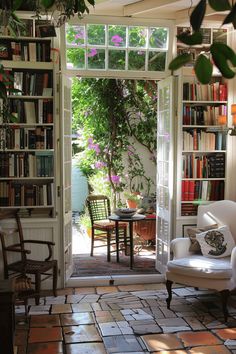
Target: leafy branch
[223,56]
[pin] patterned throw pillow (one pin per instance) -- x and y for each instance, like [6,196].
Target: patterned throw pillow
[191,232]
[216,243]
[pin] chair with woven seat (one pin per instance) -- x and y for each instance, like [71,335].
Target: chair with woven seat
[39,269]
[102,228]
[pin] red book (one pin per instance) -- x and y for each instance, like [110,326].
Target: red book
[191,186]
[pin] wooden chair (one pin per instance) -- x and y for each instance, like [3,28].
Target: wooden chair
[102,228]
[39,269]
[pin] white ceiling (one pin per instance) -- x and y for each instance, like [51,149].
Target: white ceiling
[158,9]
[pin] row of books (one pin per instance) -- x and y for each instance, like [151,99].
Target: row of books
[32,112]
[33,164]
[189,209]
[27,138]
[38,51]
[202,190]
[202,115]
[198,139]
[37,83]
[18,194]
[203,166]
[193,91]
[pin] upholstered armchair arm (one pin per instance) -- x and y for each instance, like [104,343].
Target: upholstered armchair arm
[180,247]
[233,262]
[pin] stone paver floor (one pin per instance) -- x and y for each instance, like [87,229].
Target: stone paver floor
[126,319]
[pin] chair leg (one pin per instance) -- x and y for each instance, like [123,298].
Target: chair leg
[168,288]
[55,271]
[92,242]
[108,246]
[224,300]
[37,287]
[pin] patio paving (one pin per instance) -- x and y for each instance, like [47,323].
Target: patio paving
[126,319]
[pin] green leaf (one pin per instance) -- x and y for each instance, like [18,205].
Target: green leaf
[3,90]
[91,2]
[197,15]
[203,69]
[13,119]
[221,55]
[17,4]
[225,50]
[231,17]
[190,39]
[47,3]
[180,61]
[219,5]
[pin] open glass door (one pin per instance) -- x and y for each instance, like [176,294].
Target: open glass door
[165,144]
[66,166]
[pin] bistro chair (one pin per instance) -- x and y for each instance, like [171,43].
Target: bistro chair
[24,266]
[102,228]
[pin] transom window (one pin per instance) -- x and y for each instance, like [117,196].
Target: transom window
[116,47]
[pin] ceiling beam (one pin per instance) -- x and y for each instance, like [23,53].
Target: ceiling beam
[145,6]
[182,15]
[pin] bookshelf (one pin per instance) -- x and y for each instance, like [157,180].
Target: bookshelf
[27,146]
[209,36]
[201,144]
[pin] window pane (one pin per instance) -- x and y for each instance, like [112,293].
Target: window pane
[137,36]
[75,58]
[158,37]
[156,61]
[116,59]
[96,58]
[75,35]
[96,34]
[117,36]
[137,60]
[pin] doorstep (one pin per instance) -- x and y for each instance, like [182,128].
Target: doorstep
[115,280]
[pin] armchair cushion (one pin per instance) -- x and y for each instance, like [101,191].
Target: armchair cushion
[216,243]
[202,267]
[191,232]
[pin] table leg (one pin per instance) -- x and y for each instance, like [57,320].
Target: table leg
[131,244]
[117,241]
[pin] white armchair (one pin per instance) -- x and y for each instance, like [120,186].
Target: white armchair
[196,270]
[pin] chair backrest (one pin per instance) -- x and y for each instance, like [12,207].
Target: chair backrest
[99,207]
[222,212]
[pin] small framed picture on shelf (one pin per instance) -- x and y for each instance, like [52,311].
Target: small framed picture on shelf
[46,30]
[206,35]
[5,50]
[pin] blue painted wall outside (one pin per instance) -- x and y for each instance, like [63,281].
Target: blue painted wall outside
[79,188]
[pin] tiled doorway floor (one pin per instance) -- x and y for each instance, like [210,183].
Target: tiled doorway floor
[84,265]
[130,319]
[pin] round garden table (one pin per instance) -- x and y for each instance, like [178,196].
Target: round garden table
[130,221]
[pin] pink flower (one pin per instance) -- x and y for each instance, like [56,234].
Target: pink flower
[117,40]
[115,179]
[79,35]
[93,52]
[100,164]
[90,140]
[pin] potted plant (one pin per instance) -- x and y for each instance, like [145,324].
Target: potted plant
[132,199]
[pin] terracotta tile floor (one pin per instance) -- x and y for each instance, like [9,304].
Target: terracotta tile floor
[126,319]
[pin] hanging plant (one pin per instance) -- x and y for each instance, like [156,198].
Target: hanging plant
[64,10]
[223,57]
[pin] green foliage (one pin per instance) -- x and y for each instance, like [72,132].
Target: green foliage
[108,116]
[66,9]
[203,69]
[223,56]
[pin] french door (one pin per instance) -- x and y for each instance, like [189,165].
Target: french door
[165,170]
